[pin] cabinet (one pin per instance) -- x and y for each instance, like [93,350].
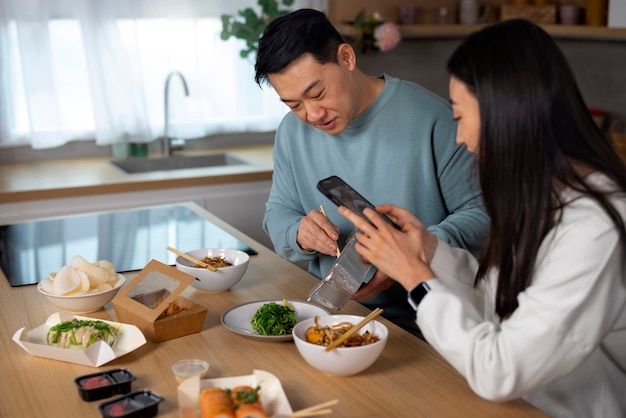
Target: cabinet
[342,11]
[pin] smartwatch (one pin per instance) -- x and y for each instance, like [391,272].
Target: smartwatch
[416,294]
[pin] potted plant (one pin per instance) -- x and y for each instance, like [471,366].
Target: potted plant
[375,33]
[249,26]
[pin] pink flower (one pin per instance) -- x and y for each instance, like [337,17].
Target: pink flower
[387,36]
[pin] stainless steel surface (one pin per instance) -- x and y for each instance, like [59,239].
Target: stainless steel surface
[167,150]
[144,165]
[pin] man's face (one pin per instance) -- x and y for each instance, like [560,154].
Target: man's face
[319,94]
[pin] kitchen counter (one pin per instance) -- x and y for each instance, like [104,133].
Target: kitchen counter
[53,179]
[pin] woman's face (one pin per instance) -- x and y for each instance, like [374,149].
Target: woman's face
[467,114]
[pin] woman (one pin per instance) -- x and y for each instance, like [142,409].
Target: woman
[541,314]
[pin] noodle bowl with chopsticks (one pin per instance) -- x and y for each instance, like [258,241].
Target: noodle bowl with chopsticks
[342,360]
[325,335]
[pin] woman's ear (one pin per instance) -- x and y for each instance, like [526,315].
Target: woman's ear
[346,56]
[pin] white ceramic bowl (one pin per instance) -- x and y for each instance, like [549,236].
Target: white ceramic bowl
[86,302]
[341,361]
[215,281]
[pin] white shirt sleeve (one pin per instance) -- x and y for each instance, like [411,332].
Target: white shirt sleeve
[576,297]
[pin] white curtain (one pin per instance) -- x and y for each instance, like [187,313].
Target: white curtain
[85,69]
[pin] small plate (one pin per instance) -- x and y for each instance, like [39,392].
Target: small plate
[237,319]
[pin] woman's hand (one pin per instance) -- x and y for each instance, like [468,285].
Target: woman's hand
[402,255]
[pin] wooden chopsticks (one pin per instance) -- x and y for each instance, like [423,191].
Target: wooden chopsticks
[354,329]
[324,213]
[190,258]
[315,410]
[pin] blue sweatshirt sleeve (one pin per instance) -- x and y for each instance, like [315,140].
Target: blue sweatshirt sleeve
[466,225]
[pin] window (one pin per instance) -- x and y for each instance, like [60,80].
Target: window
[84,69]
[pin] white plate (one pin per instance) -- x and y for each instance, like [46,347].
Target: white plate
[272,395]
[237,319]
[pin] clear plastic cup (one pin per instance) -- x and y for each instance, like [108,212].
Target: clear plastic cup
[343,278]
[184,369]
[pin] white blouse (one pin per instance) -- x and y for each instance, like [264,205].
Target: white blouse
[564,347]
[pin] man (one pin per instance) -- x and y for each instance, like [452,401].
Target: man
[392,140]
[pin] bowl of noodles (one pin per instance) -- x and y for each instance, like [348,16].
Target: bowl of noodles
[359,352]
[230,266]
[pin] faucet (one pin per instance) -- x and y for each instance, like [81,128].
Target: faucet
[167,149]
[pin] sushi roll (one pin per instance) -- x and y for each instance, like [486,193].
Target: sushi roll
[216,403]
[247,402]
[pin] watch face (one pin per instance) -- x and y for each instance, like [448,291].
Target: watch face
[417,294]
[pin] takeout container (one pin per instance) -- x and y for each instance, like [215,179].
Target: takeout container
[97,354]
[156,288]
[85,302]
[96,386]
[271,392]
[343,278]
[341,361]
[215,281]
[139,404]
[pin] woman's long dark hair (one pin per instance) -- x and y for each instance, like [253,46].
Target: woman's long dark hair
[534,125]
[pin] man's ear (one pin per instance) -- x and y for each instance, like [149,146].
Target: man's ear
[346,56]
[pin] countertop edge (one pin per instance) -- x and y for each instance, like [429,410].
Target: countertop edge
[139,185]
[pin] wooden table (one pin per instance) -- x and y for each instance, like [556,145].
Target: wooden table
[410,379]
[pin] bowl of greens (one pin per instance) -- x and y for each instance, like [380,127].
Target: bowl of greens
[269,320]
[274,319]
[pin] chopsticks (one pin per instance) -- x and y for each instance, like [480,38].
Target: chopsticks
[190,258]
[315,410]
[354,329]
[324,213]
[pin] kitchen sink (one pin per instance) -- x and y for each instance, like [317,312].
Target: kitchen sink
[145,165]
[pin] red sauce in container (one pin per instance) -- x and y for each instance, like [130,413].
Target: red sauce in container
[94,382]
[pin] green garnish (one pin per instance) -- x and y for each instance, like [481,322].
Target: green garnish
[274,319]
[248,396]
[67,331]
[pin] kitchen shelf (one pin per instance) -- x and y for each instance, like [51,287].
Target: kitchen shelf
[599,33]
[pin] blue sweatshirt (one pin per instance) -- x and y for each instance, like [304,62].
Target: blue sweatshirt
[401,150]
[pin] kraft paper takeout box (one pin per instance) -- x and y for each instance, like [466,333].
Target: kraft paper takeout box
[34,342]
[149,294]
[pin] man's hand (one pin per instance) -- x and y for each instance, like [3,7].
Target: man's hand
[317,233]
[377,283]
